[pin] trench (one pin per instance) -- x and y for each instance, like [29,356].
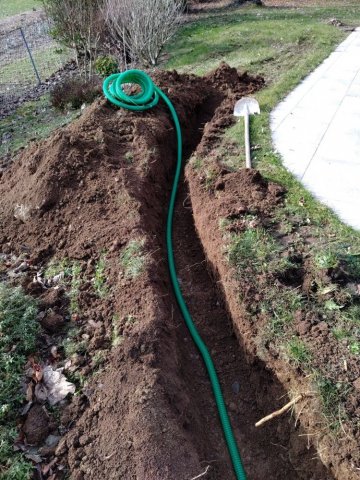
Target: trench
[280,450]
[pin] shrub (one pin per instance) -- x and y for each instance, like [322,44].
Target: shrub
[77,24]
[142,28]
[106,65]
[74,92]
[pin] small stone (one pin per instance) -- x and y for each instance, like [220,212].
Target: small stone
[52,440]
[232,407]
[236,387]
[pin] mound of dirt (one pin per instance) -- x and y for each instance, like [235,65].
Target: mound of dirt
[98,189]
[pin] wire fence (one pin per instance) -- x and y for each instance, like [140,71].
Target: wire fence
[28,57]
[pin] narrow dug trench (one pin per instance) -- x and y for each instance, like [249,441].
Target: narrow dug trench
[276,451]
[150,414]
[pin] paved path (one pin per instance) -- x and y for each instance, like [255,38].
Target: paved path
[316,129]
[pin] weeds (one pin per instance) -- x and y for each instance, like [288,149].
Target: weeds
[252,250]
[72,345]
[196,162]
[116,338]
[129,157]
[326,260]
[210,178]
[99,280]
[280,308]
[98,359]
[354,347]
[68,274]
[132,259]
[58,267]
[74,92]
[75,287]
[18,331]
[298,352]
[331,395]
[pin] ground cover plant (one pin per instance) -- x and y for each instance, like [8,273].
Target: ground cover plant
[18,332]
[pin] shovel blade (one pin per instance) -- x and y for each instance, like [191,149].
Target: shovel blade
[246,106]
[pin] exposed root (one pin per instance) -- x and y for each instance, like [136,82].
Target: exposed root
[201,474]
[279,412]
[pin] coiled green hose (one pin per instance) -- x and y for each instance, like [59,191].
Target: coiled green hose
[147,98]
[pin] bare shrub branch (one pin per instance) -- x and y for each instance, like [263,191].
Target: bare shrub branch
[143,27]
[78,24]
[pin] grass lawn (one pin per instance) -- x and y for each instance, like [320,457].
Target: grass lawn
[35,119]
[48,60]
[8,8]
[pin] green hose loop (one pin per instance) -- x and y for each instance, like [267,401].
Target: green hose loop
[148,98]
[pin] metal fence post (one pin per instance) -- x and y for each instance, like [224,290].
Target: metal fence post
[30,55]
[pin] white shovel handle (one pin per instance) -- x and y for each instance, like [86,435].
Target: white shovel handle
[247,141]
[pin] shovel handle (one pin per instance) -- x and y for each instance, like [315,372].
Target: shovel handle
[247,141]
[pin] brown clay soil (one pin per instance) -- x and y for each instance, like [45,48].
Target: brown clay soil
[147,411]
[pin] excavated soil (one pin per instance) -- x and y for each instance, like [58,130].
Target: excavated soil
[147,413]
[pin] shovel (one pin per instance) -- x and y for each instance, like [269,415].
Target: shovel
[244,108]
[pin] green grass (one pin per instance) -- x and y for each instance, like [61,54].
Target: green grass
[47,59]
[8,8]
[72,344]
[332,395]
[18,331]
[132,259]
[36,119]
[99,279]
[280,307]
[116,338]
[75,284]
[259,40]
[254,249]
[70,272]
[298,353]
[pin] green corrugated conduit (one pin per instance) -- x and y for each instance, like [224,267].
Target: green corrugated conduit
[147,98]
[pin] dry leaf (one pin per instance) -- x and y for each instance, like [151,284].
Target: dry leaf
[26,409]
[29,392]
[46,468]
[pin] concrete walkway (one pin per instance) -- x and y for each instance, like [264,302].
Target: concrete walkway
[316,129]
